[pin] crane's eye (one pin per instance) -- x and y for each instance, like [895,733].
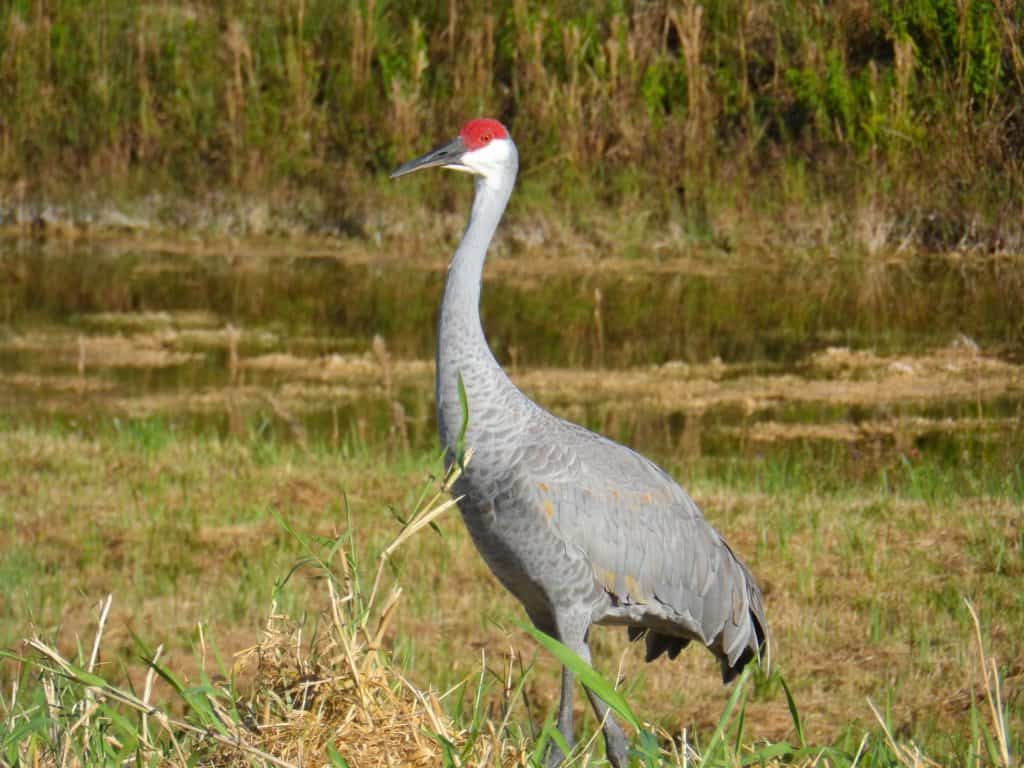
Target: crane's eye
[485,138]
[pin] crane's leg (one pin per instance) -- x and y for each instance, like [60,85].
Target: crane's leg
[555,755]
[573,635]
[615,745]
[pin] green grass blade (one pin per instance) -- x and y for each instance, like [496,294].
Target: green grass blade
[460,443]
[718,737]
[585,673]
[334,757]
[769,753]
[794,713]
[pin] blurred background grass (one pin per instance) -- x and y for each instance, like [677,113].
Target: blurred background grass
[892,122]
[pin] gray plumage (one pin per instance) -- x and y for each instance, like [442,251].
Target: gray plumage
[580,529]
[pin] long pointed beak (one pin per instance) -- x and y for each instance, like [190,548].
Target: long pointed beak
[447,155]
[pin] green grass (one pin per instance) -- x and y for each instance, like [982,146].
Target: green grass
[866,122]
[864,587]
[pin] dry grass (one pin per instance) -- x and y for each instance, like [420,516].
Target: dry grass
[836,376]
[865,547]
[863,587]
[308,693]
[327,674]
[339,686]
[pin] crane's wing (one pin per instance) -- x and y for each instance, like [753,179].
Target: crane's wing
[646,540]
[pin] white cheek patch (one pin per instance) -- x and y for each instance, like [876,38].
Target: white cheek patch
[488,160]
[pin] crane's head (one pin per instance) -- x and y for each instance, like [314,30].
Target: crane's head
[483,148]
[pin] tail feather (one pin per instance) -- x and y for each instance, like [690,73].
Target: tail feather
[676,646]
[657,643]
[742,640]
[758,647]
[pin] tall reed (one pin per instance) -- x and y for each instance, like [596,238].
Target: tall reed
[913,105]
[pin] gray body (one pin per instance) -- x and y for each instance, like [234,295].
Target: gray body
[580,529]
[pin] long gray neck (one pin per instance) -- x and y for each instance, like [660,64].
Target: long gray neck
[461,346]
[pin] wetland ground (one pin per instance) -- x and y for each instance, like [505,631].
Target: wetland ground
[776,246]
[172,412]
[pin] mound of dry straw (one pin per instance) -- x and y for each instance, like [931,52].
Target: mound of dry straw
[338,691]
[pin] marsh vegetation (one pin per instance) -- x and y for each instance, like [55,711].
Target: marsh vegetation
[181,425]
[737,123]
[776,246]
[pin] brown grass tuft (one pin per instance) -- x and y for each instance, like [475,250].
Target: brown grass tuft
[339,691]
[336,691]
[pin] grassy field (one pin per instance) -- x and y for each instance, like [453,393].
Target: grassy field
[184,425]
[773,244]
[196,537]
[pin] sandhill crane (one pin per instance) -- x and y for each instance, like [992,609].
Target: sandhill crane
[580,529]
